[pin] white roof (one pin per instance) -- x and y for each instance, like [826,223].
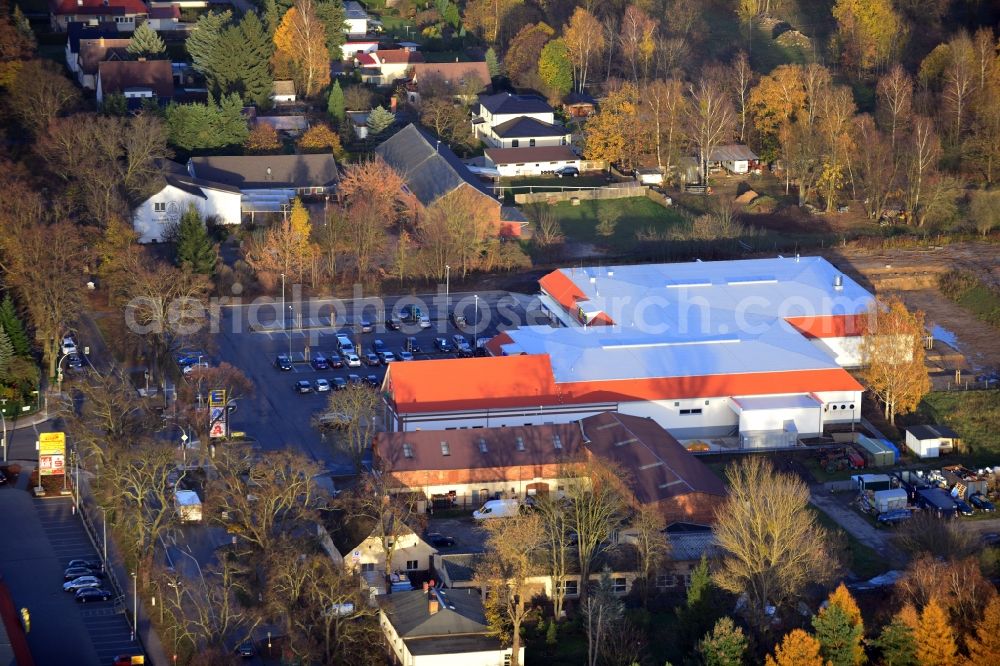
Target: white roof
[187,498]
[769,402]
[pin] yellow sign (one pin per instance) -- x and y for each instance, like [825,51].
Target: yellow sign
[52,443]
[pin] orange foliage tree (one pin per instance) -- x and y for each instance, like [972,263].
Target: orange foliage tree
[892,357]
[797,649]
[984,646]
[320,138]
[262,139]
[301,40]
[935,638]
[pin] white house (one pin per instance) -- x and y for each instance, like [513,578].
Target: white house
[505,120]
[354,47]
[436,627]
[154,217]
[283,92]
[380,68]
[735,158]
[409,553]
[356,21]
[928,441]
[512,162]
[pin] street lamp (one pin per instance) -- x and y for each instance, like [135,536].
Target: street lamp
[104,522]
[135,605]
[3,419]
[291,309]
[184,448]
[284,322]
[447,289]
[475,328]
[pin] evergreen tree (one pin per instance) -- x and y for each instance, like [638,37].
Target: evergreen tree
[6,355]
[333,16]
[194,248]
[203,45]
[12,325]
[231,124]
[492,63]
[724,646]
[245,61]
[204,126]
[115,104]
[335,106]
[935,638]
[379,120]
[839,638]
[897,644]
[701,609]
[272,16]
[146,43]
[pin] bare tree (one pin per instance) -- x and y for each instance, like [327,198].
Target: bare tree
[876,167]
[503,573]
[601,611]
[379,501]
[648,532]
[960,78]
[40,93]
[350,415]
[557,544]
[741,80]
[664,111]
[895,101]
[710,120]
[773,546]
[924,150]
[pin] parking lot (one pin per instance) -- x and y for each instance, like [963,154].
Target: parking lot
[40,537]
[277,416]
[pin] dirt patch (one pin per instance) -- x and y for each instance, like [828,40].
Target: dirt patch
[977,340]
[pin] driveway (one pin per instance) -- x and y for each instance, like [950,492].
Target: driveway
[855,524]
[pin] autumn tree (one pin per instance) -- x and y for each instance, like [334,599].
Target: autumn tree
[927,534]
[39,94]
[710,121]
[17,45]
[840,630]
[959,83]
[934,637]
[875,171]
[503,572]
[773,546]
[262,140]
[958,586]
[521,61]
[638,41]
[894,102]
[775,102]
[725,645]
[454,229]
[301,39]
[584,39]
[489,18]
[555,69]
[869,32]
[284,248]
[984,645]
[321,139]
[446,119]
[614,134]
[834,115]
[892,357]
[797,649]
[664,113]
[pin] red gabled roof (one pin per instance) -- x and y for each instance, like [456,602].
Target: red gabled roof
[94,7]
[397,56]
[471,383]
[494,345]
[833,326]
[365,60]
[566,293]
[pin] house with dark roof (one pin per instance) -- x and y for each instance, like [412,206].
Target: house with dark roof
[356,19]
[449,72]
[154,217]
[431,171]
[136,80]
[435,626]
[734,158]
[125,15]
[930,441]
[92,52]
[535,161]
[77,32]
[505,120]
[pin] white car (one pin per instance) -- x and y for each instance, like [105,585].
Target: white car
[321,386]
[189,368]
[352,360]
[81,582]
[425,322]
[68,345]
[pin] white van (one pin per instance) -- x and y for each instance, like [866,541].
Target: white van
[501,508]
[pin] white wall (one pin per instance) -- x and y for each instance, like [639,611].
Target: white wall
[807,419]
[546,117]
[356,26]
[842,400]
[846,351]
[532,168]
[496,419]
[408,547]
[492,658]
[924,448]
[152,225]
[716,418]
[738,166]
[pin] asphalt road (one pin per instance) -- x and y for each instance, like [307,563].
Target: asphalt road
[277,417]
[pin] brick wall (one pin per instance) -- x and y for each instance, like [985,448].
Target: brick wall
[690,508]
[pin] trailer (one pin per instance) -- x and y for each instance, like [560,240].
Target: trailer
[876,453]
[890,500]
[188,506]
[937,501]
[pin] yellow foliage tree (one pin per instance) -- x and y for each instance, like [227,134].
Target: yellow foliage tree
[892,357]
[614,133]
[320,138]
[984,646]
[286,247]
[584,37]
[869,31]
[301,40]
[777,99]
[262,139]
[797,649]
[935,638]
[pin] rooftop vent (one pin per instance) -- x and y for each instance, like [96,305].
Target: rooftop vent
[626,441]
[651,465]
[838,282]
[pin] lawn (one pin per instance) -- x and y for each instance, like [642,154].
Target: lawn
[862,560]
[973,414]
[579,223]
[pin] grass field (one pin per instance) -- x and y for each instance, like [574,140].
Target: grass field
[862,560]
[974,415]
[579,223]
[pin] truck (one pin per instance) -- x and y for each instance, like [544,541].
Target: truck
[188,506]
[937,501]
[497,508]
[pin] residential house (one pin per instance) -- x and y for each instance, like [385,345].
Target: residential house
[283,92]
[137,80]
[383,67]
[356,19]
[410,553]
[579,105]
[92,52]
[505,120]
[125,15]
[435,627]
[76,32]
[431,171]
[734,158]
[472,465]
[167,18]
[155,216]
[353,47]
[449,72]
[268,183]
[514,162]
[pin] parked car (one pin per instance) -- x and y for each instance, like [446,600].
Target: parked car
[439,540]
[353,360]
[387,357]
[364,325]
[378,346]
[319,362]
[894,517]
[73,573]
[393,323]
[410,314]
[457,319]
[81,582]
[321,385]
[373,381]
[982,503]
[85,594]
[443,345]
[425,322]
[345,345]
[497,508]
[303,386]
[87,564]
[68,345]
[964,508]
[355,380]
[334,360]
[405,356]
[411,345]
[245,649]
[567,171]
[188,369]
[462,345]
[74,361]
[339,383]
[371,360]
[282,362]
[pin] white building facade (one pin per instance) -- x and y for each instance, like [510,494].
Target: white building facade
[155,216]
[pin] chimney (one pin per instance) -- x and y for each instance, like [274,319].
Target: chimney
[838,282]
[433,605]
[100,40]
[392,104]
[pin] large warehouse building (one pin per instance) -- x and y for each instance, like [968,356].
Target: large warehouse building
[752,350]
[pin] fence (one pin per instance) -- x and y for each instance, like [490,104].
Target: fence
[613,191]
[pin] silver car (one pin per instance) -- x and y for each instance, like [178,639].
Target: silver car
[81,582]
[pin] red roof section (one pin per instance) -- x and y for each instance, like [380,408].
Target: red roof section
[365,59]
[566,293]
[494,344]
[397,56]
[116,7]
[169,11]
[833,326]
[471,383]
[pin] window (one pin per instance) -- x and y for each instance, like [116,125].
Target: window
[407,451]
[515,143]
[482,446]
[691,411]
[367,567]
[445,449]
[124,19]
[663,581]
[557,442]
[159,207]
[520,444]
[618,585]
[412,565]
[835,408]
[677,404]
[562,141]
[570,587]
[531,143]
